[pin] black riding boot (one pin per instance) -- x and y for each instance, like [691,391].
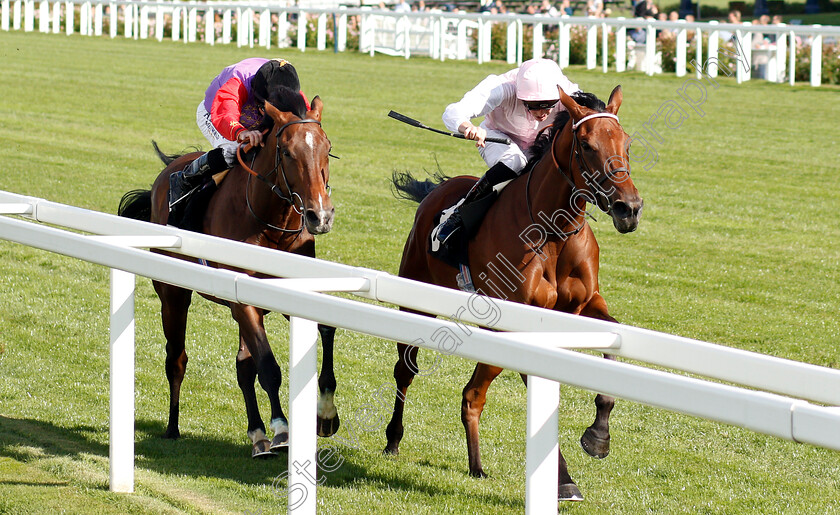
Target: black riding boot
[183,182]
[497,174]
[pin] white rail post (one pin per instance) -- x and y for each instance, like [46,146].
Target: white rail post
[816,59]
[542,450]
[84,19]
[650,51]
[16,14]
[698,40]
[714,42]
[563,38]
[97,20]
[744,46]
[113,21]
[56,17]
[70,9]
[520,41]
[28,15]
[144,22]
[539,38]
[341,31]
[303,400]
[682,38]
[591,46]
[621,48]
[121,439]
[792,61]
[128,15]
[4,13]
[43,16]
[283,31]
[407,36]
[210,26]
[176,24]
[605,46]
[781,56]
[159,22]
[511,42]
[301,30]
[461,46]
[226,23]
[265,29]
[322,32]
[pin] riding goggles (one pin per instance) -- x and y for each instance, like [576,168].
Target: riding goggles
[537,105]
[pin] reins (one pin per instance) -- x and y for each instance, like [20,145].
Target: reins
[581,165]
[278,165]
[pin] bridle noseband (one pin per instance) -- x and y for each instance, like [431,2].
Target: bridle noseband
[576,152]
[278,165]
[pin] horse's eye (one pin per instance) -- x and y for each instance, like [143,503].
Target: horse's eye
[585,146]
[286,153]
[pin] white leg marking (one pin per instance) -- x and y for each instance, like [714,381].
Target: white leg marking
[326,406]
[256,435]
[278,425]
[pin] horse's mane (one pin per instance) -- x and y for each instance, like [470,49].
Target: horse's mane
[285,99]
[543,142]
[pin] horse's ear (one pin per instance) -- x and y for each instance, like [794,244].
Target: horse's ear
[615,100]
[575,110]
[317,106]
[279,117]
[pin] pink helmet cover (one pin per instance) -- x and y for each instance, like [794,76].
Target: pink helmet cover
[538,79]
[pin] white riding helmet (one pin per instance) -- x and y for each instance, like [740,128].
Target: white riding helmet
[537,80]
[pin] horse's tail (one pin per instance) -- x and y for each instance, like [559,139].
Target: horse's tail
[166,158]
[405,186]
[136,204]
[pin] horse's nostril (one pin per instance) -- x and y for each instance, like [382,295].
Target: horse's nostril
[312,217]
[621,210]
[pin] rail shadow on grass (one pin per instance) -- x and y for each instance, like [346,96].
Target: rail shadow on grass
[30,440]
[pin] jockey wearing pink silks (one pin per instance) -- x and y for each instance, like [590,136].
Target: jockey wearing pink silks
[516,105]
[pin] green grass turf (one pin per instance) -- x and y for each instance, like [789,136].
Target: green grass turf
[739,245]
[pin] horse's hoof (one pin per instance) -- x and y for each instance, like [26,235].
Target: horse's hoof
[478,474]
[171,434]
[328,426]
[262,449]
[280,442]
[569,492]
[594,446]
[391,450]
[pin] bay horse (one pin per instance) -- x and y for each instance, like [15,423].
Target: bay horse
[536,227]
[283,210]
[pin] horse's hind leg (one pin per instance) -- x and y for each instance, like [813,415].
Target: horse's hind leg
[174,305]
[328,420]
[404,372]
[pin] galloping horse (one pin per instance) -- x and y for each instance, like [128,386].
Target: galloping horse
[283,213]
[537,228]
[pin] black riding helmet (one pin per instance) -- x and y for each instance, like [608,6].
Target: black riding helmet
[271,76]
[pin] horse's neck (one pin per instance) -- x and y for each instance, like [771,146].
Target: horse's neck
[553,204]
[265,204]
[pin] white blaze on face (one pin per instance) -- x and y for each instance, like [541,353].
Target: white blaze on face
[310,140]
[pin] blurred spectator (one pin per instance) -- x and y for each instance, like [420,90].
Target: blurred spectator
[733,17]
[594,7]
[566,8]
[402,7]
[548,9]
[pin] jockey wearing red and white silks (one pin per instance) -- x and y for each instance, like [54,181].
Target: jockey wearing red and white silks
[500,99]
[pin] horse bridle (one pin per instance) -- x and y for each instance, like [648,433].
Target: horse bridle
[278,165]
[576,151]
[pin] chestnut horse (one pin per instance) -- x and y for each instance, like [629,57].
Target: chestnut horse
[283,210]
[536,228]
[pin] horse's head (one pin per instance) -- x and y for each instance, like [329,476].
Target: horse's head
[303,164]
[600,151]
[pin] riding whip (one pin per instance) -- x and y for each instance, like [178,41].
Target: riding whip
[405,119]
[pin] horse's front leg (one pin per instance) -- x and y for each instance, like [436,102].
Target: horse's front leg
[328,421]
[596,439]
[246,375]
[472,404]
[174,305]
[254,340]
